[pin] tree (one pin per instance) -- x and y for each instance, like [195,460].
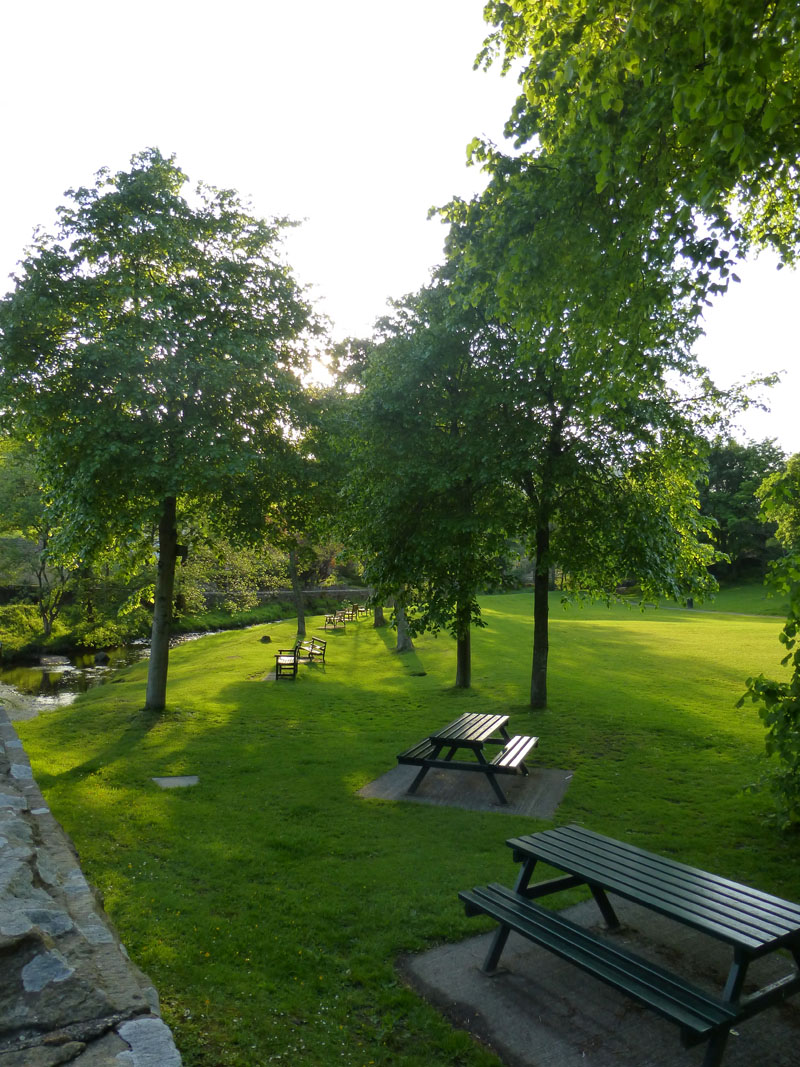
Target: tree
[779,701]
[23,511]
[150,348]
[694,103]
[425,503]
[728,495]
[599,425]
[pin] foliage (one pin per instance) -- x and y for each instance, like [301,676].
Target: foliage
[151,348]
[694,103]
[604,405]
[228,575]
[779,701]
[425,499]
[24,511]
[780,501]
[20,627]
[728,495]
[641,716]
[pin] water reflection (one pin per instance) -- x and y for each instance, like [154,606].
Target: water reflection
[57,680]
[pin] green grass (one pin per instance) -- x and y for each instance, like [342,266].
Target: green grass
[752,599]
[269,903]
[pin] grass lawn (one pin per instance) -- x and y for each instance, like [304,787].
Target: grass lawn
[752,599]
[269,903]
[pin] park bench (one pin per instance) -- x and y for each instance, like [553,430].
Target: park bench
[334,620]
[286,660]
[472,732]
[751,922]
[312,648]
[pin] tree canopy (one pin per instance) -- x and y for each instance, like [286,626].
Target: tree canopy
[728,495]
[696,102]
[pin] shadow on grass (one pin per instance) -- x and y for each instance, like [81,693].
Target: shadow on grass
[140,725]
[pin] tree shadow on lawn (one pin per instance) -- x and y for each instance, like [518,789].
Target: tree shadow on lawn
[140,724]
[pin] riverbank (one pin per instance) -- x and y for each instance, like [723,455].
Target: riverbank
[17,705]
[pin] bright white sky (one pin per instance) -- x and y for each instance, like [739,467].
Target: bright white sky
[352,115]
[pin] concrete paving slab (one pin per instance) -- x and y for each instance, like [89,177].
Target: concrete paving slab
[537,794]
[177,781]
[540,1011]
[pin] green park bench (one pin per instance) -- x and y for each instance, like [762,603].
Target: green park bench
[311,648]
[286,660]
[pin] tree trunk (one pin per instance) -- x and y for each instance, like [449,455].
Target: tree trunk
[379,617]
[298,594]
[162,612]
[404,642]
[464,660]
[541,609]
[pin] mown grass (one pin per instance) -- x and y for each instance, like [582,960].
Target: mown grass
[755,598]
[270,902]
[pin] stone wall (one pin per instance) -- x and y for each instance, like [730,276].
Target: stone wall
[69,994]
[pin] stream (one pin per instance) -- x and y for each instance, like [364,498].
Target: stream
[28,688]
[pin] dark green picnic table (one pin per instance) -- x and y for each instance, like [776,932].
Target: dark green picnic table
[471,732]
[752,923]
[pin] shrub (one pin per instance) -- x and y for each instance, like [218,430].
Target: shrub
[20,627]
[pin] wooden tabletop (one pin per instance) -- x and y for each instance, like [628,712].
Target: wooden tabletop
[753,921]
[471,730]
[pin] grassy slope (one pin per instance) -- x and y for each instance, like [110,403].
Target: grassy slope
[269,903]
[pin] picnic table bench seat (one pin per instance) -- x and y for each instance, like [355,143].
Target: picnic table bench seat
[507,761]
[286,660]
[697,1013]
[312,648]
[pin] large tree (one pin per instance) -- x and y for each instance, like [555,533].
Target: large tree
[779,699]
[24,514]
[150,348]
[604,402]
[426,502]
[728,495]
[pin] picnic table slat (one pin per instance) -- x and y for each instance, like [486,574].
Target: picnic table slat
[470,729]
[688,894]
[779,915]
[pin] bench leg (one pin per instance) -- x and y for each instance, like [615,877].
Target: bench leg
[496,950]
[418,780]
[604,904]
[498,791]
[715,1049]
[736,977]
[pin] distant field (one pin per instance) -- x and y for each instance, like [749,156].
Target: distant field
[269,903]
[754,599]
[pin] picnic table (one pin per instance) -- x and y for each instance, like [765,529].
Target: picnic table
[471,732]
[752,923]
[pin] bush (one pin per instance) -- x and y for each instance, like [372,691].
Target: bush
[20,627]
[779,705]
